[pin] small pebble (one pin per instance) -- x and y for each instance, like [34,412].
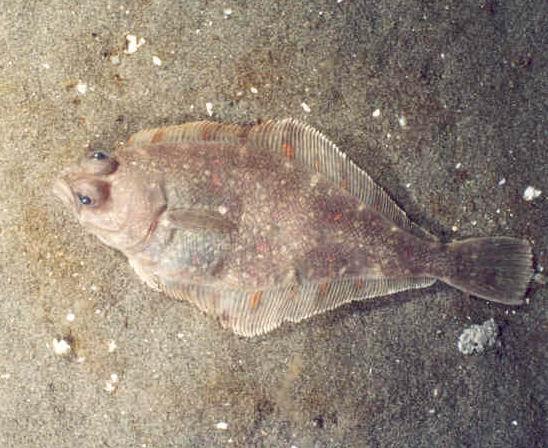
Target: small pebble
[209,108]
[502,181]
[402,121]
[254,90]
[61,347]
[531,193]
[376,113]
[156,60]
[476,338]
[306,107]
[81,88]
[70,316]
[110,385]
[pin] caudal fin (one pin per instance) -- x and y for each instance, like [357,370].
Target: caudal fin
[497,269]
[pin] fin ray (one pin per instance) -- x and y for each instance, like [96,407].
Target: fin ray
[239,310]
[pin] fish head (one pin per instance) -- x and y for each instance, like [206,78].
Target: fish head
[116,204]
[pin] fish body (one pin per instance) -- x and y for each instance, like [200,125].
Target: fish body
[261,224]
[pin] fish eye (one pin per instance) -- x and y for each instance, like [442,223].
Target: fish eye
[84,200]
[99,155]
[99,163]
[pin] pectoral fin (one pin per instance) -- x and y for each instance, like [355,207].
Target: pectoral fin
[197,219]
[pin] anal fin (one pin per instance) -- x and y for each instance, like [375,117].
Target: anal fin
[251,313]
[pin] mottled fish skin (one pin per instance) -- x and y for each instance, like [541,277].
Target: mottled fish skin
[269,223]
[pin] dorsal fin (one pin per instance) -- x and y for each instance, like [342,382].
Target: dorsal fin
[303,143]
[295,141]
[198,131]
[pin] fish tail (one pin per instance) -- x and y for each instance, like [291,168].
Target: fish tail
[497,269]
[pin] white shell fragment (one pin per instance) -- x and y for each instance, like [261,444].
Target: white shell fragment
[132,44]
[81,88]
[477,338]
[112,346]
[156,60]
[306,107]
[209,108]
[531,193]
[61,347]
[402,121]
[110,384]
[376,113]
[222,426]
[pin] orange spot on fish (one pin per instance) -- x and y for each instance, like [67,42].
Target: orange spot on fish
[255,299]
[288,151]
[216,180]
[208,131]
[359,283]
[158,136]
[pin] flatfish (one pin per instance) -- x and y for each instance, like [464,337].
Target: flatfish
[267,223]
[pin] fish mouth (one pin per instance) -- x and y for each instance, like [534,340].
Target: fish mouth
[63,192]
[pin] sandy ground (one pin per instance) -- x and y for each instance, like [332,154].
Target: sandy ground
[467,79]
